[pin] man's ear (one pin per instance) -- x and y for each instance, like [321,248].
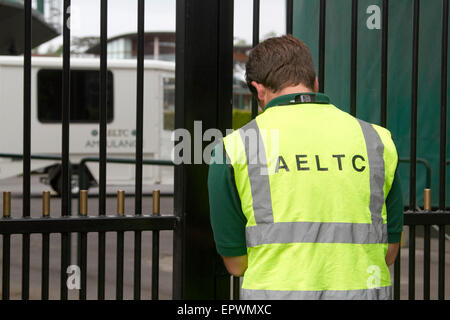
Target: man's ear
[260,89]
[316,85]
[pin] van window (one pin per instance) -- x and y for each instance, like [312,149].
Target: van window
[84,96]
[169,104]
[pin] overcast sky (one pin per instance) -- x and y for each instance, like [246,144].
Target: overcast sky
[160,16]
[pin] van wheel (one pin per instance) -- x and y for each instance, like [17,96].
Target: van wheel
[55,180]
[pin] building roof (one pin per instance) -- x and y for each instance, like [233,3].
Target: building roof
[12,28]
[162,35]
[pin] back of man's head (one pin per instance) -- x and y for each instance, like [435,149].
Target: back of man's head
[280,62]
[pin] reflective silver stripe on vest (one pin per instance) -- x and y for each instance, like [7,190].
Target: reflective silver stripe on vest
[375,150]
[312,232]
[267,232]
[257,172]
[383,293]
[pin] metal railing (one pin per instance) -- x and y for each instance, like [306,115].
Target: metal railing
[425,219]
[82,181]
[66,224]
[427,166]
[84,224]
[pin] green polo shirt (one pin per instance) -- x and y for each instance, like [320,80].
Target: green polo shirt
[227,219]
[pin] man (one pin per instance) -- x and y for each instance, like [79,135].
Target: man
[303,199]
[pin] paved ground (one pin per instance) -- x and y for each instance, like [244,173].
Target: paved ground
[166,251]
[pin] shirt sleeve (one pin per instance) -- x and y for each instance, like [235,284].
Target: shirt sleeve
[227,219]
[394,207]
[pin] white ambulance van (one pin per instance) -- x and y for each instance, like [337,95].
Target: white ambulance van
[46,129]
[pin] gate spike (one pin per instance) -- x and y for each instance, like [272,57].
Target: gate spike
[156,202]
[6,204]
[427,199]
[46,203]
[120,202]
[83,202]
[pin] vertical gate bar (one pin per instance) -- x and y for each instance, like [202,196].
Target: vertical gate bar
[137,264]
[443,150]
[66,181]
[384,63]
[103,103]
[102,162]
[255,41]
[194,19]
[179,234]
[25,266]
[426,262]
[155,265]
[289,16]
[6,266]
[27,110]
[65,105]
[155,249]
[441,267]
[83,197]
[101,266]
[120,247]
[45,266]
[256,22]
[236,288]
[26,146]
[119,264]
[444,74]
[322,29]
[83,265]
[354,58]
[397,276]
[45,248]
[64,265]
[412,263]
[139,108]
[414,87]
[139,145]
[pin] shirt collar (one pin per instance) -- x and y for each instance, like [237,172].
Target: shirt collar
[298,98]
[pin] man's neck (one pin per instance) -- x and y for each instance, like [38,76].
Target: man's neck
[288,90]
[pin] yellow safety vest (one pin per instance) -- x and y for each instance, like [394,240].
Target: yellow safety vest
[313,181]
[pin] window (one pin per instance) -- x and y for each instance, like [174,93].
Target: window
[84,96]
[169,104]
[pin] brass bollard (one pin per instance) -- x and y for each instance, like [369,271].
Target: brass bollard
[120,202]
[83,202]
[6,204]
[46,203]
[156,202]
[427,199]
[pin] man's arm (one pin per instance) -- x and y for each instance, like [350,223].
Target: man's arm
[394,206]
[236,265]
[226,216]
[392,252]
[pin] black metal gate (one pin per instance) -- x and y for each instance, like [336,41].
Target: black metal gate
[204,93]
[81,223]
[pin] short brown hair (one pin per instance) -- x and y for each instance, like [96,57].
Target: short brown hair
[280,62]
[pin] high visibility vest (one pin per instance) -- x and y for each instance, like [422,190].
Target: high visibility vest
[313,181]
